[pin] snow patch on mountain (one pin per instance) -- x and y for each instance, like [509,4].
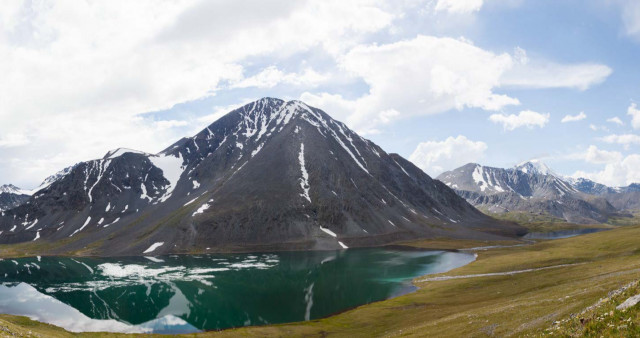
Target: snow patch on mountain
[153,247]
[172,169]
[329,232]
[82,227]
[535,167]
[478,177]
[304,181]
[202,209]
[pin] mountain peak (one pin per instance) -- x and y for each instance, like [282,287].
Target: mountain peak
[266,175]
[9,188]
[535,167]
[120,151]
[12,189]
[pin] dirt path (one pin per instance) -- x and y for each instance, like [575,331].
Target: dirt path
[441,278]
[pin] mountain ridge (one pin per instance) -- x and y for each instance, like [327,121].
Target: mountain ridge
[271,175]
[12,196]
[528,187]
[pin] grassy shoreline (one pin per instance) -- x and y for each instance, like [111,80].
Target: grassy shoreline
[30,249]
[472,306]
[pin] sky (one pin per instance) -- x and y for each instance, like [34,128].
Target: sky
[441,82]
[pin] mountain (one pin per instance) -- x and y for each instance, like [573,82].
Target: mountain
[530,187]
[12,196]
[622,198]
[271,175]
[535,167]
[588,186]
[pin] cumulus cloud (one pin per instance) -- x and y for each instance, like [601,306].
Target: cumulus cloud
[616,120]
[272,76]
[599,156]
[525,118]
[421,76]
[634,112]
[574,118]
[630,17]
[90,65]
[458,6]
[429,75]
[624,139]
[620,173]
[435,157]
[93,69]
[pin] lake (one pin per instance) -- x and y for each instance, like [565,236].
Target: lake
[191,293]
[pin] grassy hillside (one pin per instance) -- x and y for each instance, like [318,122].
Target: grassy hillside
[576,273]
[604,319]
[541,222]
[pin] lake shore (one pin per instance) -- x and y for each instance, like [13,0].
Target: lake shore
[593,265]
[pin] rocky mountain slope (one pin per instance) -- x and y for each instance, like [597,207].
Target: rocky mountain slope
[269,175]
[11,197]
[622,198]
[531,187]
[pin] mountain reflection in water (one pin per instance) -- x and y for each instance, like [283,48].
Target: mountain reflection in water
[182,294]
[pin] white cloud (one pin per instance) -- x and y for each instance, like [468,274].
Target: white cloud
[85,66]
[167,124]
[272,76]
[574,118]
[13,140]
[634,112]
[92,68]
[616,120]
[435,157]
[429,75]
[623,139]
[598,156]
[422,76]
[545,74]
[458,6]
[630,10]
[339,107]
[596,128]
[220,111]
[525,118]
[620,173]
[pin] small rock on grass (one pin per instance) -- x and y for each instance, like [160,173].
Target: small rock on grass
[631,301]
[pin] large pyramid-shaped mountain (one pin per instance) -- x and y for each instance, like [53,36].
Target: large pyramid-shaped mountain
[270,175]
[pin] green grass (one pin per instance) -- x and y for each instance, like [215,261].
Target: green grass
[603,319]
[626,221]
[541,222]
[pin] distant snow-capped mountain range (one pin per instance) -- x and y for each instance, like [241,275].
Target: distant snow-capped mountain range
[533,187]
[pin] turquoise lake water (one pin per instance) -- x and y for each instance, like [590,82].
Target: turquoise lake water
[181,294]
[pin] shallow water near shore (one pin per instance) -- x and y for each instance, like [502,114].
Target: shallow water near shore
[182,294]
